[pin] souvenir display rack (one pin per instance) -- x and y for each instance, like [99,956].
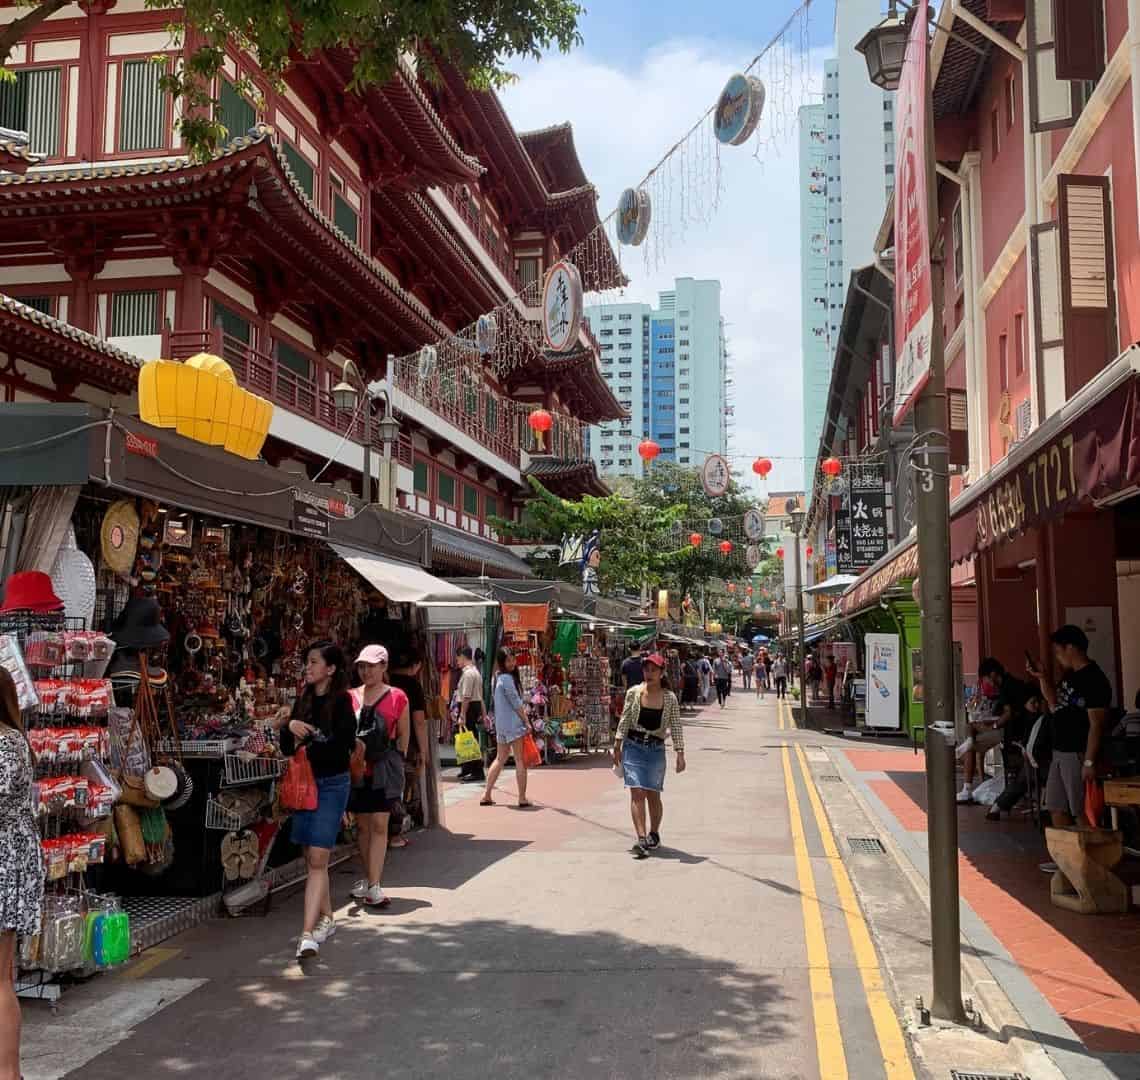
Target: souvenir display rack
[590,694]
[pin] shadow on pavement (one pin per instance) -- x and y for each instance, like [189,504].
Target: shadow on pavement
[470,1001]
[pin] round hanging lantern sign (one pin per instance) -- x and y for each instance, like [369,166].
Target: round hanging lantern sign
[634,212]
[752,556]
[647,450]
[738,110]
[695,539]
[486,334]
[762,466]
[561,306]
[726,547]
[715,526]
[779,553]
[715,476]
[808,551]
[831,467]
[753,524]
[426,364]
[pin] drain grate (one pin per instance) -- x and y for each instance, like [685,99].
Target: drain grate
[832,777]
[867,845]
[969,1074]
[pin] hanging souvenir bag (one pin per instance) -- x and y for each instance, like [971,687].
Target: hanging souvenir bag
[299,788]
[466,747]
[112,943]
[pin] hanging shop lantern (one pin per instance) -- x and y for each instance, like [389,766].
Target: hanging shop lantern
[561,306]
[831,467]
[779,553]
[808,551]
[425,365]
[540,422]
[726,547]
[762,466]
[738,110]
[748,589]
[731,586]
[486,334]
[647,450]
[695,539]
[633,215]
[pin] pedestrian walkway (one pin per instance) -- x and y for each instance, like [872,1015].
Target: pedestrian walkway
[1086,967]
[529,943]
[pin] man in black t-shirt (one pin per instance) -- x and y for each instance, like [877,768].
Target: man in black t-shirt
[631,670]
[1080,702]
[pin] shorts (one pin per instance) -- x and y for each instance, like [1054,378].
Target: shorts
[1064,787]
[368,800]
[320,828]
[643,766]
[986,740]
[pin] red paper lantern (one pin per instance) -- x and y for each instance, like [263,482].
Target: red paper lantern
[647,449]
[540,420]
[695,539]
[762,466]
[748,590]
[731,586]
[725,547]
[831,466]
[779,553]
[808,551]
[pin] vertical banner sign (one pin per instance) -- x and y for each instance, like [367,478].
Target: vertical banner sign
[883,681]
[844,556]
[914,303]
[867,501]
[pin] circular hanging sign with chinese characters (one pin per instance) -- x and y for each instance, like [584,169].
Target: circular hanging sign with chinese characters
[715,526]
[738,109]
[634,212]
[715,476]
[753,524]
[752,556]
[561,306]
[425,365]
[486,333]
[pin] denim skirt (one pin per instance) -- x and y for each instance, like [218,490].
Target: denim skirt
[643,766]
[320,827]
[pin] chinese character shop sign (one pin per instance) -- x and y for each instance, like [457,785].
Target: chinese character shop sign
[914,305]
[561,306]
[867,510]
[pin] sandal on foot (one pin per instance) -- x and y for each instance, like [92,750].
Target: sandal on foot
[486,802]
[525,805]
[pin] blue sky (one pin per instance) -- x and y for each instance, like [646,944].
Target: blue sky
[644,74]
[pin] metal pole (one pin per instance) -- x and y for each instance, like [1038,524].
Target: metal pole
[803,649]
[366,486]
[932,506]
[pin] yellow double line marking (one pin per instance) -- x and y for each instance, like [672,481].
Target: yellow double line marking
[829,1040]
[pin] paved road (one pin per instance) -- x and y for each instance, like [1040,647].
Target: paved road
[529,944]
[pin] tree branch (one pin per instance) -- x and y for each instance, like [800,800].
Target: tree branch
[14,31]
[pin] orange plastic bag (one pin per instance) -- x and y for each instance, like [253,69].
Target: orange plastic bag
[1094,803]
[532,757]
[299,787]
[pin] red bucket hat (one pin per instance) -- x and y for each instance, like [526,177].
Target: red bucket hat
[31,590]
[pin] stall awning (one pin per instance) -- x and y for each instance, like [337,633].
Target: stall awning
[454,545]
[403,583]
[900,563]
[834,584]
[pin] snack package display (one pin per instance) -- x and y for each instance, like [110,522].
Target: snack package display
[12,660]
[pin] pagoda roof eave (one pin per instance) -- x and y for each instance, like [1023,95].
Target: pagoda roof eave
[567,477]
[556,142]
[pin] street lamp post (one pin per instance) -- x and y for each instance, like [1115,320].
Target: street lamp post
[884,48]
[796,515]
[346,395]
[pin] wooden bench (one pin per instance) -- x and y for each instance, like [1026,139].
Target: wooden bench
[1084,881]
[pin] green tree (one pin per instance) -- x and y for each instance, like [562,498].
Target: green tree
[474,35]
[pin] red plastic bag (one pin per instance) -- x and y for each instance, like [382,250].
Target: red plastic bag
[532,757]
[1094,803]
[299,787]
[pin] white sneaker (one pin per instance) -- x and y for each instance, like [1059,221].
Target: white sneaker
[307,947]
[375,897]
[965,795]
[358,890]
[965,745]
[324,930]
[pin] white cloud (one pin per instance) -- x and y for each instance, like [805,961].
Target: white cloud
[624,119]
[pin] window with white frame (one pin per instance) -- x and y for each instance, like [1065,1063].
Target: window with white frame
[32,101]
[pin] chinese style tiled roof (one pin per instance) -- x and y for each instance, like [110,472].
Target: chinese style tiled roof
[14,153]
[567,477]
[554,146]
[577,380]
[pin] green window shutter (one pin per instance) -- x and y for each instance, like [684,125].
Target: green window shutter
[345,218]
[134,313]
[447,384]
[293,359]
[470,500]
[33,102]
[490,506]
[420,477]
[492,414]
[232,324]
[142,106]
[303,171]
[470,398]
[235,113]
[446,488]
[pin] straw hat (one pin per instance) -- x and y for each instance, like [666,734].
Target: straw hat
[120,536]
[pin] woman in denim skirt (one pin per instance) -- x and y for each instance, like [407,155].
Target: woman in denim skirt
[324,723]
[651,712]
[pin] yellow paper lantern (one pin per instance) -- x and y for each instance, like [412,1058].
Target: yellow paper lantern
[201,400]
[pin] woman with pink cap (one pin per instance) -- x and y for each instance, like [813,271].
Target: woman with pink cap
[651,712]
[384,727]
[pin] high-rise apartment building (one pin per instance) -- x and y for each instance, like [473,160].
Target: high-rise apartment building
[814,337]
[859,166]
[668,367]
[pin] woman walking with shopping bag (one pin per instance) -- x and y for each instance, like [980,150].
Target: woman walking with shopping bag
[323,724]
[383,728]
[510,728]
[651,712]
